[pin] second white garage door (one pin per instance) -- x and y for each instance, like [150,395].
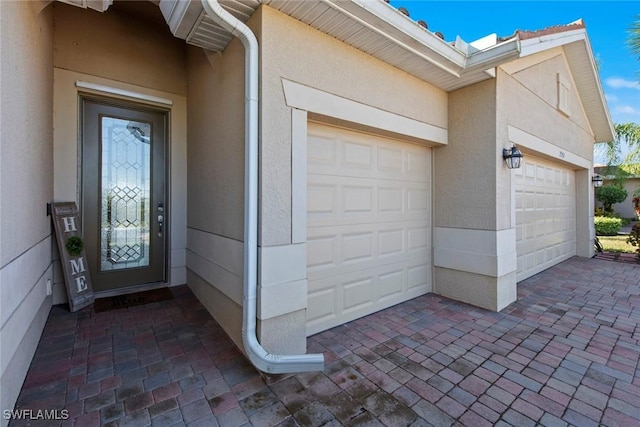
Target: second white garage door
[545,215]
[368,224]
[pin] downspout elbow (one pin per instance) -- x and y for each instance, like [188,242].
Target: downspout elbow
[261,359]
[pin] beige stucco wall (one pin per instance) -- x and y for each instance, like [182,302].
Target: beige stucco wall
[537,75]
[469,202]
[150,62]
[216,141]
[294,51]
[216,182]
[526,101]
[26,126]
[26,172]
[120,46]
[474,196]
[465,170]
[216,154]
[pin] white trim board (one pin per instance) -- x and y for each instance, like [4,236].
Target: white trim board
[550,41]
[218,260]
[298,176]
[487,252]
[532,142]
[282,298]
[109,90]
[327,104]
[281,264]
[283,280]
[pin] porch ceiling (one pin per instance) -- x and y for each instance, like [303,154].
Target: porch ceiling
[374,27]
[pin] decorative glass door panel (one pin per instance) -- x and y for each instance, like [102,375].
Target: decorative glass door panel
[123,194]
[126,191]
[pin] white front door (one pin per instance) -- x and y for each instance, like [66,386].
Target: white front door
[369,224]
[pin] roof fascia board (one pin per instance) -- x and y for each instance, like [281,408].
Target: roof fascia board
[367,12]
[404,24]
[546,42]
[388,22]
[596,77]
[466,61]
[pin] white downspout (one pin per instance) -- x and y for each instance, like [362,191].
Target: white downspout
[266,362]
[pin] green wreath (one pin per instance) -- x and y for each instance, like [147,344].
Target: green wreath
[74,245]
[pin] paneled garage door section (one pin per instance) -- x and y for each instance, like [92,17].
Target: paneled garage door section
[368,224]
[545,216]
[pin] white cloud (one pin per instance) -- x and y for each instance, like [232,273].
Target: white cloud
[627,109]
[611,98]
[620,83]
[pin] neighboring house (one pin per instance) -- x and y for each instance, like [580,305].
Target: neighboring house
[380,170]
[631,183]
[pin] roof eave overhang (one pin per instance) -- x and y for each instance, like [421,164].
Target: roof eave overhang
[578,52]
[403,31]
[391,36]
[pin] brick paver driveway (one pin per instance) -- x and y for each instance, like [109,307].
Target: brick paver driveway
[565,354]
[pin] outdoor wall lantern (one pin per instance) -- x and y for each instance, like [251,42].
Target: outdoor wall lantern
[512,157]
[597,180]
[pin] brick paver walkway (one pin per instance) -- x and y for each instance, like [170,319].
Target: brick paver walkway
[618,257]
[565,354]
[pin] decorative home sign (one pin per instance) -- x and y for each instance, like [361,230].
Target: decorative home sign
[72,255]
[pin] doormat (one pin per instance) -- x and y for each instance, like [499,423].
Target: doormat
[131,300]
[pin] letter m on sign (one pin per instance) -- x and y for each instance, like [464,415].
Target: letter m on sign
[77,265]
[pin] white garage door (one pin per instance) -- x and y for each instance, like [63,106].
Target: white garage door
[545,215]
[368,224]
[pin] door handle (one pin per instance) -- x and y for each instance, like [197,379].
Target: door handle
[160,218]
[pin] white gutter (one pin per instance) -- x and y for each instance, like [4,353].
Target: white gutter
[492,56]
[266,362]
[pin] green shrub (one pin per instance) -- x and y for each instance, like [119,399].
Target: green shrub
[606,226]
[611,195]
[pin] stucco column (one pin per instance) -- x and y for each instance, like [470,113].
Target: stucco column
[585,230]
[474,233]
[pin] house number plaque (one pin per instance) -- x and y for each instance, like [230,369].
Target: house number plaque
[72,255]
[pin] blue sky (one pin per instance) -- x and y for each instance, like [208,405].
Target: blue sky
[607,25]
